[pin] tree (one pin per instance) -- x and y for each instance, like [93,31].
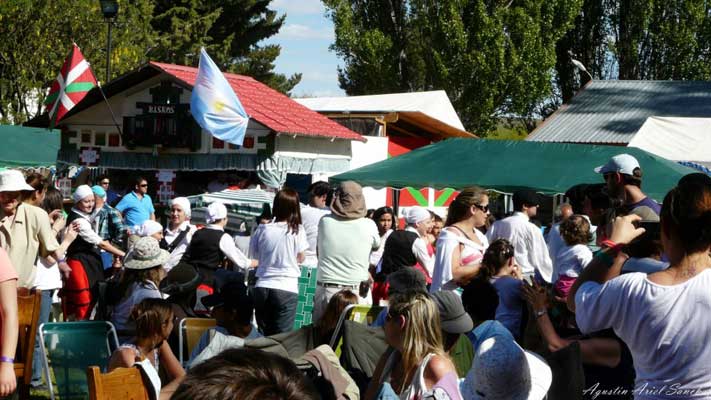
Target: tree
[229,29]
[37,36]
[495,59]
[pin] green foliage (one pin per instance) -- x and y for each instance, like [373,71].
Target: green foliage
[637,39]
[229,30]
[495,59]
[37,36]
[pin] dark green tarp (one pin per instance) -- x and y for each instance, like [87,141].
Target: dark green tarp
[23,147]
[506,166]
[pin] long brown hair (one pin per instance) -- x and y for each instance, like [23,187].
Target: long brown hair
[287,208]
[459,208]
[686,216]
[149,316]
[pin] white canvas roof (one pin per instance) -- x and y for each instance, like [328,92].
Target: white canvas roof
[676,139]
[434,104]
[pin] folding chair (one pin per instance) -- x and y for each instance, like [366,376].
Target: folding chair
[362,313]
[28,308]
[119,384]
[69,348]
[189,332]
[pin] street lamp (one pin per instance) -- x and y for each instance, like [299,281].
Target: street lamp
[109,8]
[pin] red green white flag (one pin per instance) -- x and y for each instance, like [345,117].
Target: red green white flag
[73,83]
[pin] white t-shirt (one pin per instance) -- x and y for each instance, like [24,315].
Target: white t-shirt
[571,260]
[48,276]
[344,247]
[310,217]
[665,327]
[276,248]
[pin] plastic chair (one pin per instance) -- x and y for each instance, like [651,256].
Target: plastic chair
[119,384]
[69,348]
[361,313]
[28,308]
[189,332]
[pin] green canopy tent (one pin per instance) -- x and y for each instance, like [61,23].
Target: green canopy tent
[506,166]
[24,147]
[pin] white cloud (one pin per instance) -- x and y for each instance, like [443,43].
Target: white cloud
[301,32]
[298,7]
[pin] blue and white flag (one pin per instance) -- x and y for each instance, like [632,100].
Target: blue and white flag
[215,105]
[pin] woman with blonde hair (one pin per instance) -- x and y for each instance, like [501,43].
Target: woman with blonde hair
[417,365]
[461,245]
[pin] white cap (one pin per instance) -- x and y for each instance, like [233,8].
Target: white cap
[82,192]
[622,163]
[183,203]
[216,211]
[12,180]
[503,370]
[417,214]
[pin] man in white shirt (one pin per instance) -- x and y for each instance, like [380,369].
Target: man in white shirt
[311,215]
[530,248]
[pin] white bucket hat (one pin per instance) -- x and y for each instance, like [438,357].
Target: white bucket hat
[12,180]
[502,370]
[146,254]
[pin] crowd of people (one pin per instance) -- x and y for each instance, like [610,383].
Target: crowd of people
[607,302]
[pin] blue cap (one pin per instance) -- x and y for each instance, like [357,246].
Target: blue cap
[99,191]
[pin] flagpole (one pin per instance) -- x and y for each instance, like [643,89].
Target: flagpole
[113,117]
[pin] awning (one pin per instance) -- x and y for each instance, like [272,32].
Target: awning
[24,147]
[210,162]
[506,166]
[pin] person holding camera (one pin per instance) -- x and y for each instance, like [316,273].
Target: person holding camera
[663,317]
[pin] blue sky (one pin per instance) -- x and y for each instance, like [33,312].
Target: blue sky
[304,39]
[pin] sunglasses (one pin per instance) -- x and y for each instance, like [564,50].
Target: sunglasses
[144,185]
[485,208]
[104,183]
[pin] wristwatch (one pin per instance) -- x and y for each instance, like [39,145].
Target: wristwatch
[541,313]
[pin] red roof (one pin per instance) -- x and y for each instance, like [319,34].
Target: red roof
[269,107]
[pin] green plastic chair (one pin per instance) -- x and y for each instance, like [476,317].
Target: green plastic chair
[69,348]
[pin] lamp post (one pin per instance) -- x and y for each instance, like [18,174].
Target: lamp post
[109,8]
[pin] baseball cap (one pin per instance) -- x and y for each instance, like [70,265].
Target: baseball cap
[622,163]
[453,318]
[503,370]
[406,280]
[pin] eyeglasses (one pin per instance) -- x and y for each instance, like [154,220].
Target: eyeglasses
[484,209]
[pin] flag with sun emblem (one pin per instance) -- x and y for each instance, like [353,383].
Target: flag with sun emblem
[214,104]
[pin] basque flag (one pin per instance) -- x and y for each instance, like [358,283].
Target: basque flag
[73,83]
[215,105]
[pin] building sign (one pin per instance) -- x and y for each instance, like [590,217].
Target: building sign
[159,109]
[65,187]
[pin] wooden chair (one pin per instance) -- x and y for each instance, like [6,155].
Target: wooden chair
[28,309]
[119,384]
[189,332]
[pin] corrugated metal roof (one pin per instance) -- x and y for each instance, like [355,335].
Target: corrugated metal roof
[613,111]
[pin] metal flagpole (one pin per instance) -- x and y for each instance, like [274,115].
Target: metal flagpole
[113,117]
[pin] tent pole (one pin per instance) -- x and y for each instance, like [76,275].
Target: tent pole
[396,201]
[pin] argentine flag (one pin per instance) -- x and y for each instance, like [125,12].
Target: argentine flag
[215,105]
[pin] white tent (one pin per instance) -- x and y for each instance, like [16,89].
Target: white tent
[676,139]
[434,104]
